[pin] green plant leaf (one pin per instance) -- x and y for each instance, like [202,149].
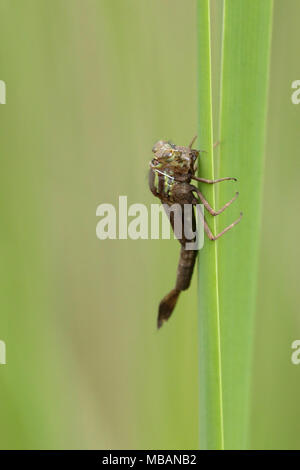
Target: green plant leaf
[211,414]
[228,267]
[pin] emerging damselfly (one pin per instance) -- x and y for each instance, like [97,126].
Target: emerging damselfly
[171,171]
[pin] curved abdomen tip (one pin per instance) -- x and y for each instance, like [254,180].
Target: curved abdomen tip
[167,306]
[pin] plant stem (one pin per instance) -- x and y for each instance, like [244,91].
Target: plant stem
[211,406]
[228,267]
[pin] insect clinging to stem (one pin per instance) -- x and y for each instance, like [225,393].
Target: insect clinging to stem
[171,171]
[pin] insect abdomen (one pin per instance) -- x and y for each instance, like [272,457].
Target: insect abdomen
[185,268]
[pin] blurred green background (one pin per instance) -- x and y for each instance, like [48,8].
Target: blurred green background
[91,85]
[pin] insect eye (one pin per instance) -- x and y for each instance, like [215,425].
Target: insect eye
[154,162]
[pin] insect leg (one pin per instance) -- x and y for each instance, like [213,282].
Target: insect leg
[193,140]
[213,237]
[208,207]
[204,180]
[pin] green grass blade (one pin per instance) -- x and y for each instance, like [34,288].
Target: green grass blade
[228,267]
[246,51]
[211,415]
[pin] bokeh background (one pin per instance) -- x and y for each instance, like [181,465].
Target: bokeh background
[91,85]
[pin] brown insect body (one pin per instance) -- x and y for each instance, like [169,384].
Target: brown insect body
[171,171]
